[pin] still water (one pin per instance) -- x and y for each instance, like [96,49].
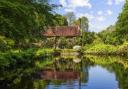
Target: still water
[88,72]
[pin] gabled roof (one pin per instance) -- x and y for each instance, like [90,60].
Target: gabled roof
[64,31]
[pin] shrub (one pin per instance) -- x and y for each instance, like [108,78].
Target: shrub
[102,49]
[123,49]
[6,43]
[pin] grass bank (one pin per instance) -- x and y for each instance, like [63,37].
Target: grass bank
[104,49]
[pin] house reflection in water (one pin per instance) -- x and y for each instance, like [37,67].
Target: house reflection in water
[57,75]
[65,70]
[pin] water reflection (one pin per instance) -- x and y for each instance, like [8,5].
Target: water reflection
[64,71]
[57,75]
[68,72]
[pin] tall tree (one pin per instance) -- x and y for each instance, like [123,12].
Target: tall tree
[24,19]
[108,35]
[70,17]
[60,20]
[83,23]
[122,25]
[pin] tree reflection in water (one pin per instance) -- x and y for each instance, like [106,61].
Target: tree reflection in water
[71,72]
[65,71]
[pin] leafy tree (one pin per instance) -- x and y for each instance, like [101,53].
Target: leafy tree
[5,43]
[83,23]
[122,25]
[70,17]
[108,35]
[87,37]
[23,20]
[60,20]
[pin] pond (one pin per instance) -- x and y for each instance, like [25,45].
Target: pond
[87,72]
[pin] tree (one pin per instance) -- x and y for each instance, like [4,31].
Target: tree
[83,23]
[70,17]
[108,35]
[87,37]
[23,20]
[60,20]
[122,25]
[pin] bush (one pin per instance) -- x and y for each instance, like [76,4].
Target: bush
[6,43]
[123,49]
[102,49]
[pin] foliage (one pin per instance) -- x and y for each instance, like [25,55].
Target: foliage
[88,37]
[101,49]
[83,22]
[23,20]
[43,51]
[106,49]
[108,35]
[103,60]
[123,49]
[5,43]
[9,58]
[13,57]
[122,25]
[70,17]
[60,20]
[117,34]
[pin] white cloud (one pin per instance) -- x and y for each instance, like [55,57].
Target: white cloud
[92,12]
[109,2]
[109,12]
[100,12]
[89,16]
[100,18]
[79,3]
[73,4]
[116,2]
[69,10]
[63,2]
[95,21]
[95,27]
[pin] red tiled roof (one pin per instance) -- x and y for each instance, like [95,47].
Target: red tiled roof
[62,31]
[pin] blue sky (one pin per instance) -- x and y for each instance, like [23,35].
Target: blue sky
[101,13]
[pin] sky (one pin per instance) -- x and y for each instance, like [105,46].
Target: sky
[101,13]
